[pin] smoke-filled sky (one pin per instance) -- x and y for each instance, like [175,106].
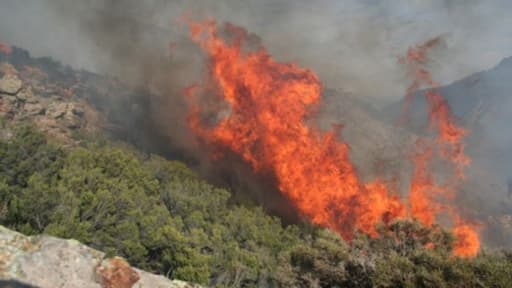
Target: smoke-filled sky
[351,44]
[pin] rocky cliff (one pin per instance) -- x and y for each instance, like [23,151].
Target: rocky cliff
[22,99]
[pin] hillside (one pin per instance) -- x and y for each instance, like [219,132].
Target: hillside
[162,218]
[78,161]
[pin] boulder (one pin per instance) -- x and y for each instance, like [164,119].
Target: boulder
[34,109]
[116,273]
[45,261]
[8,105]
[10,85]
[57,109]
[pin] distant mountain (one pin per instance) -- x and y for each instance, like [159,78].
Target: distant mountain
[482,102]
[471,98]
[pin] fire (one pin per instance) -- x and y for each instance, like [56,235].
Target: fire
[266,123]
[269,103]
[422,206]
[468,242]
[428,198]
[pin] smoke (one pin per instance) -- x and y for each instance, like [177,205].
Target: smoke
[352,45]
[348,43]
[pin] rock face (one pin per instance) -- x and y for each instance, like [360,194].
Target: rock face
[10,85]
[44,261]
[24,98]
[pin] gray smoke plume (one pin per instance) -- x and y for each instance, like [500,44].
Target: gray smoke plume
[349,43]
[353,45]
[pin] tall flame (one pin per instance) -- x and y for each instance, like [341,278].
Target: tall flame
[428,198]
[269,105]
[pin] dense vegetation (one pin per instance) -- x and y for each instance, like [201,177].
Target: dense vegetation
[163,218]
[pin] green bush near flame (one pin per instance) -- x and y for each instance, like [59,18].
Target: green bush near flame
[163,218]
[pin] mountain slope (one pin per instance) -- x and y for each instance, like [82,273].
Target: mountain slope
[469,97]
[75,182]
[482,103]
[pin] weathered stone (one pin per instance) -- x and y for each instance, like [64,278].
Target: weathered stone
[57,110]
[21,96]
[8,105]
[46,261]
[117,273]
[159,281]
[34,109]
[72,122]
[46,123]
[31,99]
[7,69]
[78,110]
[10,84]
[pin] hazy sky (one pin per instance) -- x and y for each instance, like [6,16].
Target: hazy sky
[352,44]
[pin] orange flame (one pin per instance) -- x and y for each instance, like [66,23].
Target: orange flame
[468,242]
[269,105]
[270,102]
[424,204]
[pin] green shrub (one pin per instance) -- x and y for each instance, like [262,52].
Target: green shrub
[162,217]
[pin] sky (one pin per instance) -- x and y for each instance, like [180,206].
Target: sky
[353,45]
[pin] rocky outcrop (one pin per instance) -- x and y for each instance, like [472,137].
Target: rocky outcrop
[45,261]
[10,85]
[22,98]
